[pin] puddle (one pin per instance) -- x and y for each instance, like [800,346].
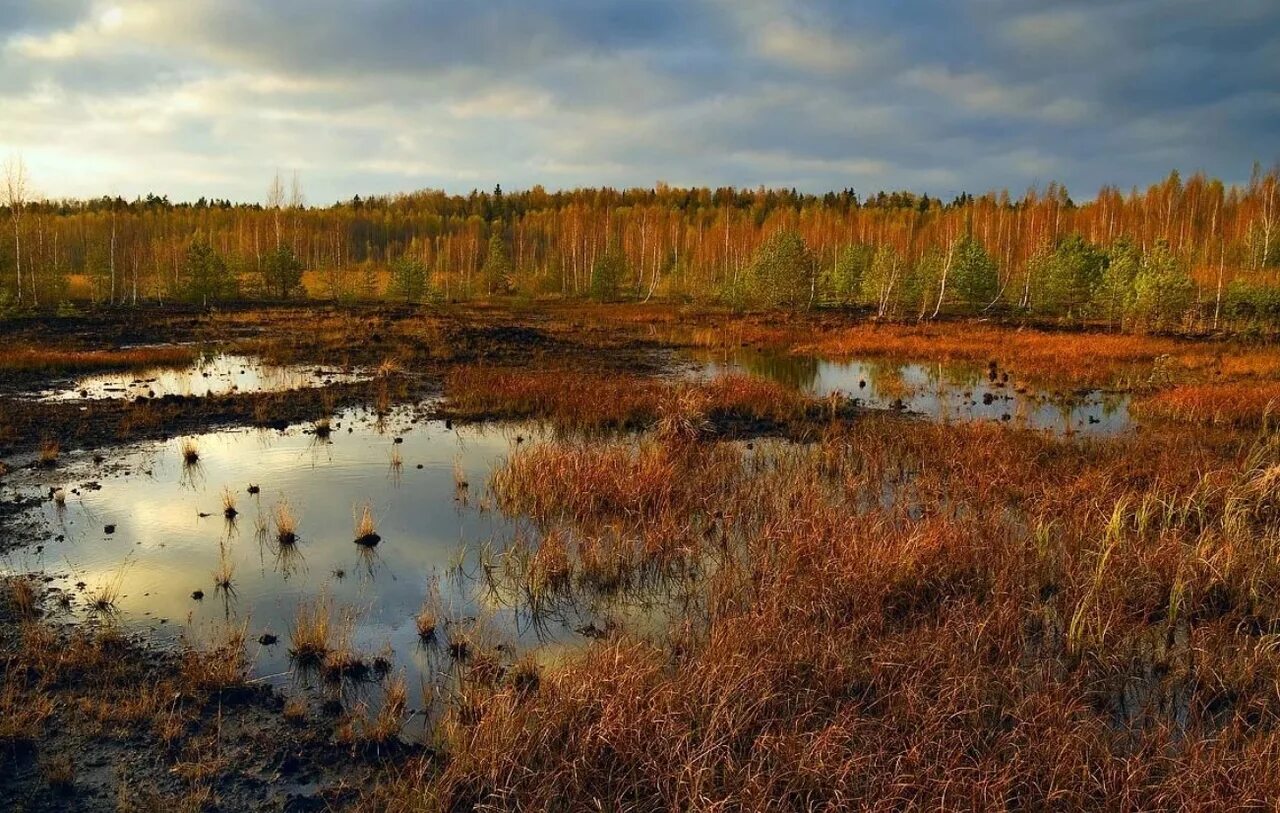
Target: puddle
[162,548]
[212,375]
[938,391]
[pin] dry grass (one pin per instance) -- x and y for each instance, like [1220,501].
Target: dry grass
[572,400]
[382,730]
[219,664]
[898,616]
[104,598]
[19,598]
[366,530]
[569,398]
[49,451]
[1238,404]
[229,509]
[286,523]
[22,714]
[1076,359]
[26,358]
[427,620]
[312,631]
[226,570]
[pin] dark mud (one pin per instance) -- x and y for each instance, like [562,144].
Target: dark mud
[415,347]
[229,748]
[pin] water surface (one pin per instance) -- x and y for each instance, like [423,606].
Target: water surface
[219,374]
[938,391]
[169,536]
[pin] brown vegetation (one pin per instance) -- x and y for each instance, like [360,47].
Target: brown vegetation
[1240,404]
[901,615]
[26,358]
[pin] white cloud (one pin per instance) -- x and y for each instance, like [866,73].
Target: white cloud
[980,93]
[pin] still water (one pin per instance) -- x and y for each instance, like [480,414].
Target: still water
[936,391]
[219,374]
[170,535]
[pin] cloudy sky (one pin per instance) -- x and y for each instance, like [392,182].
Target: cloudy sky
[210,97]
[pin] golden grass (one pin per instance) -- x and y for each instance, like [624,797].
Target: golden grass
[1076,359]
[229,509]
[366,529]
[429,615]
[19,597]
[286,523]
[570,398]
[1238,404]
[900,615]
[26,358]
[49,451]
[573,400]
[225,572]
[312,631]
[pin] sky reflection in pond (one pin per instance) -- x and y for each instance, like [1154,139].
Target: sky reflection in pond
[210,375]
[938,391]
[170,534]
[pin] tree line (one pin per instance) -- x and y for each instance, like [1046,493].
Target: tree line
[1181,254]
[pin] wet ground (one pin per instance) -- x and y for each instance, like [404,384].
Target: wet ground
[126,510]
[947,392]
[151,525]
[215,374]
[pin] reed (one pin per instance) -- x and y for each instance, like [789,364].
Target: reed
[229,509]
[366,532]
[311,632]
[286,524]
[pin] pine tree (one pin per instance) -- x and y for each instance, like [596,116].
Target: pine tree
[206,274]
[498,271]
[976,282]
[408,279]
[282,272]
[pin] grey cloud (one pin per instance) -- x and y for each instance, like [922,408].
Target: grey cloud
[208,96]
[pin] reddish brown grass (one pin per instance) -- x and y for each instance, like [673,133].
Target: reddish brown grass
[1239,404]
[1059,358]
[899,616]
[27,358]
[575,400]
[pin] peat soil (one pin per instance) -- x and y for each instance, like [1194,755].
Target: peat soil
[225,748]
[412,347]
[238,750]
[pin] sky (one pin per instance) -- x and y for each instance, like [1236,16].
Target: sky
[194,98]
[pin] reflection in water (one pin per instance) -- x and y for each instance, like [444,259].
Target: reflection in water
[939,391]
[187,559]
[211,375]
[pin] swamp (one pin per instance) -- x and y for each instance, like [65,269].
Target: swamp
[633,557]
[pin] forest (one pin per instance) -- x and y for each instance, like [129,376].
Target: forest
[1189,255]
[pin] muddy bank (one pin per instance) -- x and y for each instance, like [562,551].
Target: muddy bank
[96,720]
[26,425]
